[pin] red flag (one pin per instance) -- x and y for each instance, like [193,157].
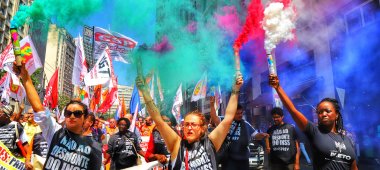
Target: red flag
[51,95]
[97,93]
[109,100]
[95,100]
[123,108]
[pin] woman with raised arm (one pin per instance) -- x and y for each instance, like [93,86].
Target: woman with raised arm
[331,148]
[68,147]
[197,150]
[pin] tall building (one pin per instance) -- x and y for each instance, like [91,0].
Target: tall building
[60,52]
[124,92]
[7,11]
[88,44]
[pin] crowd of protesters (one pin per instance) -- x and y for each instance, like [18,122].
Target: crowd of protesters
[84,140]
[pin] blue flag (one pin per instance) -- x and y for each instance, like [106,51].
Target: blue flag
[117,113]
[116,117]
[135,101]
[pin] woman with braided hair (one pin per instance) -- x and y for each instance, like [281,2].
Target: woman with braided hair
[331,149]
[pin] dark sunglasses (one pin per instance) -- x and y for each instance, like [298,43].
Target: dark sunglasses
[77,113]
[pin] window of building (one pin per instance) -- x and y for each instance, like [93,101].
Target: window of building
[362,15]
[353,20]
[369,11]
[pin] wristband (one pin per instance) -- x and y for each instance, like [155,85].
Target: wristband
[150,101]
[233,91]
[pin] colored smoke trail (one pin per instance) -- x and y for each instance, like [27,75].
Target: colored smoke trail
[252,27]
[337,32]
[64,12]
[278,24]
[163,46]
[229,20]
[203,47]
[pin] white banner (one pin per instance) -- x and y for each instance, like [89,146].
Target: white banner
[101,72]
[200,89]
[119,45]
[7,57]
[30,55]
[178,101]
[80,68]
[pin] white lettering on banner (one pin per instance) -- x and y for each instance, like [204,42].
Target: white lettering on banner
[69,155]
[47,96]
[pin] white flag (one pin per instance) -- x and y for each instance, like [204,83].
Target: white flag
[5,93]
[119,44]
[200,89]
[17,91]
[80,68]
[7,57]
[178,101]
[30,55]
[101,72]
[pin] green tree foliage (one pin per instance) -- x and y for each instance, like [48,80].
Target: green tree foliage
[62,101]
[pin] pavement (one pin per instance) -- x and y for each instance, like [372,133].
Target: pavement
[364,163]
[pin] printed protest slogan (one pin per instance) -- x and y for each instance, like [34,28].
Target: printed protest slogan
[8,161]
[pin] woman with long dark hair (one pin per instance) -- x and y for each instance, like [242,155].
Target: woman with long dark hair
[330,147]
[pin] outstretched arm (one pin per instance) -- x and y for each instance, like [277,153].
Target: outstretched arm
[354,166]
[214,118]
[298,154]
[31,92]
[297,116]
[172,140]
[218,135]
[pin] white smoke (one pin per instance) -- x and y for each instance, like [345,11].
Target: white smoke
[278,24]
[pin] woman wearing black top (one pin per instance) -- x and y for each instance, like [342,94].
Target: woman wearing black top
[197,149]
[331,148]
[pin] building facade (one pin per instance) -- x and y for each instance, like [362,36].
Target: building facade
[60,53]
[7,11]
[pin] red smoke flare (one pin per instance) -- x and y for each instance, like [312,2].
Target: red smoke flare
[252,26]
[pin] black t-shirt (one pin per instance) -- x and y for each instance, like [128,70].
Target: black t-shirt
[201,155]
[97,134]
[8,137]
[282,143]
[40,146]
[330,150]
[239,134]
[72,151]
[122,147]
[159,143]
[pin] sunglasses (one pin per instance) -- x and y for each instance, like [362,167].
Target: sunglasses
[77,113]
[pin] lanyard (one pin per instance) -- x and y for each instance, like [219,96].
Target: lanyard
[187,160]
